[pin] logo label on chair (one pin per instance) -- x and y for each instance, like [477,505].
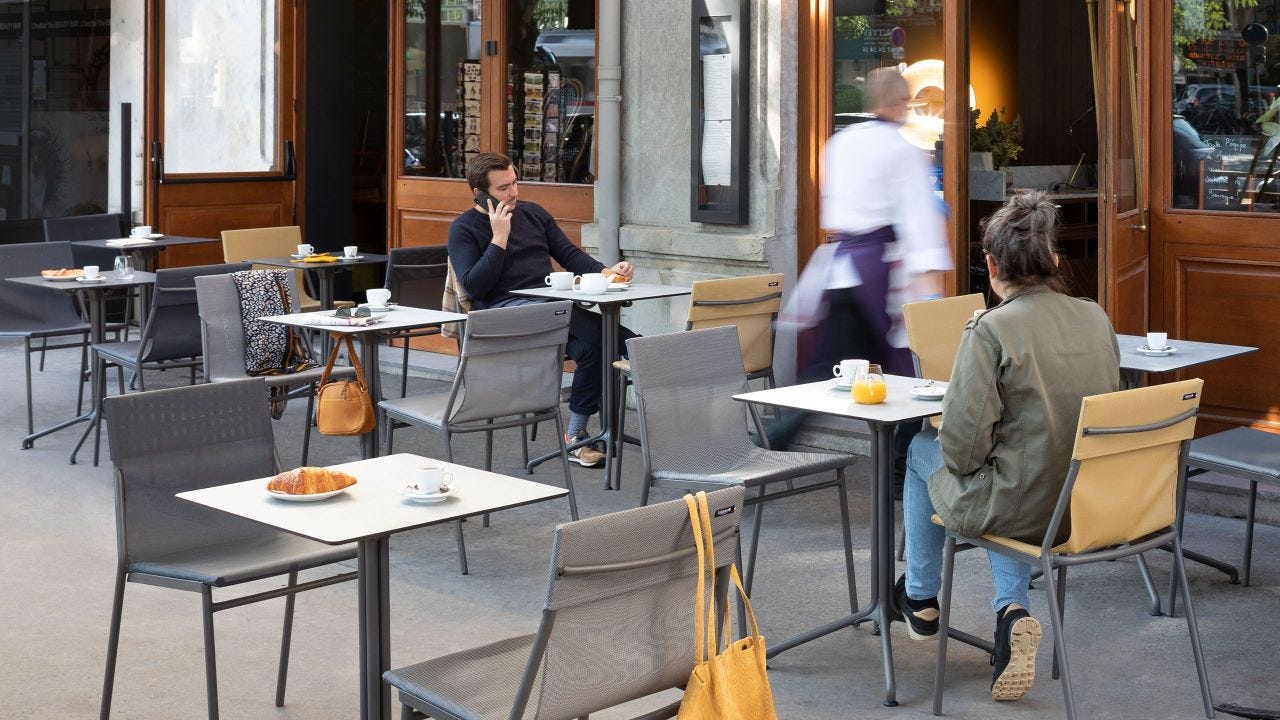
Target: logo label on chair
[1190,396]
[725,511]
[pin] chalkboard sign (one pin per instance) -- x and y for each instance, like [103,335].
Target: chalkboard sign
[718,157]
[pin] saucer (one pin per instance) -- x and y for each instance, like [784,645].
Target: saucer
[430,497]
[618,287]
[83,279]
[840,384]
[354,257]
[296,256]
[1152,352]
[928,392]
[382,309]
[151,236]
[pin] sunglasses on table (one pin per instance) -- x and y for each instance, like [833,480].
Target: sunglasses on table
[357,312]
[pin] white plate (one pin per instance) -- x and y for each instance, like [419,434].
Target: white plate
[305,498]
[83,279]
[928,392]
[296,256]
[385,308]
[429,497]
[66,278]
[344,257]
[152,236]
[618,287]
[1157,353]
[840,384]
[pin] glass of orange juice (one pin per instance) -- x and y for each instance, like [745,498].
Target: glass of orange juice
[869,387]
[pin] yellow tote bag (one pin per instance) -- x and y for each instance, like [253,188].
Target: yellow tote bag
[727,683]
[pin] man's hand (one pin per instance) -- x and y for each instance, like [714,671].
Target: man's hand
[500,223]
[624,268]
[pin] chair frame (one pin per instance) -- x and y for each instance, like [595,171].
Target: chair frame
[208,606]
[391,417]
[405,335]
[1050,561]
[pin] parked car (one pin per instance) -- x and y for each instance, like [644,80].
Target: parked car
[1189,151]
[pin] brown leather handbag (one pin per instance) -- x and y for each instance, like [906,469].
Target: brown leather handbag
[343,407]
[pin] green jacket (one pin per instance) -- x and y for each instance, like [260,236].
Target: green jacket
[1011,411]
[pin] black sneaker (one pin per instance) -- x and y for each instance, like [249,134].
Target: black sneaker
[1017,638]
[920,616]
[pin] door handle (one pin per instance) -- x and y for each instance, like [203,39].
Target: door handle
[1139,228]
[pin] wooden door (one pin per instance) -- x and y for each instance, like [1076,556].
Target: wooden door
[1120,70]
[221,132]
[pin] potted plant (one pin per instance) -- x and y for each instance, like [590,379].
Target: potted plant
[992,146]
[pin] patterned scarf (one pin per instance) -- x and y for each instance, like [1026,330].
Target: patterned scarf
[269,348]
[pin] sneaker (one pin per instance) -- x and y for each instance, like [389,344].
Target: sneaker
[588,455]
[1017,638]
[920,616]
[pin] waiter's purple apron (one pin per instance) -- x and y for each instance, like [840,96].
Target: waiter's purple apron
[866,252]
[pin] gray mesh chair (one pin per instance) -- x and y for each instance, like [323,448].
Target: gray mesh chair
[617,624]
[171,336]
[693,434]
[222,334]
[32,312]
[508,376]
[1119,499]
[170,441]
[415,277]
[104,226]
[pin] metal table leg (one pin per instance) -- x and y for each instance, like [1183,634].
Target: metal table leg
[369,342]
[373,555]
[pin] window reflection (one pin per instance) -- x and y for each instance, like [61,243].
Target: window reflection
[441,86]
[1226,134]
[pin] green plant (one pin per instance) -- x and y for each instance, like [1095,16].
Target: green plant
[995,136]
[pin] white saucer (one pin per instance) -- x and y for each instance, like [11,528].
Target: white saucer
[152,236]
[928,392]
[344,257]
[1156,353]
[305,498]
[384,308]
[296,256]
[840,384]
[83,279]
[429,497]
[618,287]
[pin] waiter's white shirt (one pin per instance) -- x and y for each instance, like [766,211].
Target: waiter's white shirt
[873,177]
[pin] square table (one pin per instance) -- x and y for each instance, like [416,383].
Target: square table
[144,250]
[899,406]
[97,334]
[1187,353]
[398,317]
[325,271]
[610,303]
[368,513]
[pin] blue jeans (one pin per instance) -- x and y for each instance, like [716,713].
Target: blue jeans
[925,539]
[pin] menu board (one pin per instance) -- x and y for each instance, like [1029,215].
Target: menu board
[718,182]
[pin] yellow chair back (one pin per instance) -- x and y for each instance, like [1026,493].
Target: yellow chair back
[750,303]
[934,329]
[241,245]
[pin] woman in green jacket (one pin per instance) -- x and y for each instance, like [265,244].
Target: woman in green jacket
[999,461]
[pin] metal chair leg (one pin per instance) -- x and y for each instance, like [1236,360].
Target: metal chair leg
[1062,608]
[1059,643]
[31,422]
[404,370]
[1150,583]
[568,478]
[749,575]
[307,422]
[283,674]
[847,535]
[44,342]
[113,644]
[457,524]
[1180,569]
[1248,533]
[944,621]
[84,367]
[210,661]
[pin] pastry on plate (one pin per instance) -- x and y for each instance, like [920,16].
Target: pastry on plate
[309,481]
[62,273]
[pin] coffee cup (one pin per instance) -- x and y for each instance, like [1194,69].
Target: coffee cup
[849,369]
[141,230]
[1157,340]
[378,297]
[430,480]
[90,272]
[591,283]
[351,251]
[559,280]
[305,249]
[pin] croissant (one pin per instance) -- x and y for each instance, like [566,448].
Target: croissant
[310,480]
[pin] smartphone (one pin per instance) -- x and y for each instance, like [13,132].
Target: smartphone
[484,200]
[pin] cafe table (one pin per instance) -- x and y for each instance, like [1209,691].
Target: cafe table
[899,406]
[396,317]
[145,251]
[368,514]
[95,296]
[325,271]
[610,304]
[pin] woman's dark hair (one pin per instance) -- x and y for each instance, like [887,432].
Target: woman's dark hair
[479,166]
[1021,239]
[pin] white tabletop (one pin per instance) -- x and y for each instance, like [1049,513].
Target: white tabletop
[823,397]
[1187,353]
[637,291]
[399,317]
[373,506]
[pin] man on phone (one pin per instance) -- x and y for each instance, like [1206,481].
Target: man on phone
[503,244]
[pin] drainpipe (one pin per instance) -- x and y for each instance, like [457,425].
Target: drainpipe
[608,130]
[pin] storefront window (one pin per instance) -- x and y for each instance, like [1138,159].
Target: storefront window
[1226,85]
[549,86]
[54,130]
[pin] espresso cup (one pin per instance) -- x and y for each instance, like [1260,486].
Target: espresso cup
[591,283]
[351,251]
[559,280]
[378,297]
[1157,340]
[430,479]
[305,249]
[849,369]
[90,272]
[141,230]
